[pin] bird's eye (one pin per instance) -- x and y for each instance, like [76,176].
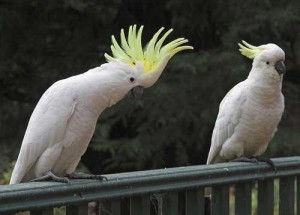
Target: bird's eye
[267,62]
[131,79]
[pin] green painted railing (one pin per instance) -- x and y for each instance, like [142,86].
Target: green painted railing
[172,191]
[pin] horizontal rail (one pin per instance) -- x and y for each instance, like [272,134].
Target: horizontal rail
[53,194]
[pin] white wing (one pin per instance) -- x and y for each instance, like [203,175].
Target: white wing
[228,118]
[46,127]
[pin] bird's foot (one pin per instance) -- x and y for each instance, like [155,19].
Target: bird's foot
[268,161]
[245,159]
[256,159]
[85,176]
[49,176]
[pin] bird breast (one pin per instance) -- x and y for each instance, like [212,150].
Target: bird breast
[259,119]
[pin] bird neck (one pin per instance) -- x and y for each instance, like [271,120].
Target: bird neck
[265,92]
[105,89]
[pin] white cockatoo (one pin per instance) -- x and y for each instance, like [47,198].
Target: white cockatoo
[251,110]
[63,122]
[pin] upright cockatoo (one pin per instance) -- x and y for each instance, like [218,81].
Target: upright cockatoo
[250,112]
[63,122]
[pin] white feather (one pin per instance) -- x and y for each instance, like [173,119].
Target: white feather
[250,112]
[63,122]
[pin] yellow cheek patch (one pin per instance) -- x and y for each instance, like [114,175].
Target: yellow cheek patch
[250,51]
[131,50]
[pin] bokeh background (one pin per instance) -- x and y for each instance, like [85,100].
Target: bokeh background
[45,41]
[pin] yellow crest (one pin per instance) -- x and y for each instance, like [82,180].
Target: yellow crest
[131,49]
[250,51]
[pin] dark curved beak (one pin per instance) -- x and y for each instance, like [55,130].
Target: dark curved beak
[135,92]
[280,67]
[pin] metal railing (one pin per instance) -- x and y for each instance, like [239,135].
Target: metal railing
[172,191]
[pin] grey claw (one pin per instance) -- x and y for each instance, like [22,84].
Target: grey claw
[48,176]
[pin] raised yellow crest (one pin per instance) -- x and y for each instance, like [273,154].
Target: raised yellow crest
[250,51]
[131,49]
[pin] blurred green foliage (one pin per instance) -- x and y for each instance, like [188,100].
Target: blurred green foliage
[44,41]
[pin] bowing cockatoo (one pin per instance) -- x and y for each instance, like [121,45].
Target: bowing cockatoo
[251,110]
[63,122]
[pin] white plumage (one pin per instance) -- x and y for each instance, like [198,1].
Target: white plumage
[250,112]
[63,122]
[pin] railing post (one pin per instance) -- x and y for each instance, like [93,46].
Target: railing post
[110,207]
[77,209]
[140,205]
[265,197]
[298,195]
[170,203]
[243,193]
[286,195]
[8,213]
[220,200]
[45,211]
[194,202]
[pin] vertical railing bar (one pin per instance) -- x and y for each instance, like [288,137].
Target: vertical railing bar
[194,202]
[243,198]
[286,195]
[110,207]
[154,204]
[44,211]
[8,213]
[140,205]
[159,199]
[298,195]
[77,209]
[265,197]
[181,202]
[116,207]
[170,204]
[220,200]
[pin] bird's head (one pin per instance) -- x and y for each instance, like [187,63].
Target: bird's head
[268,60]
[143,66]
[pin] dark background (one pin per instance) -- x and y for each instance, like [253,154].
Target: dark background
[45,41]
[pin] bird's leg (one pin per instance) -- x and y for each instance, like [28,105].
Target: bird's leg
[85,176]
[49,176]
